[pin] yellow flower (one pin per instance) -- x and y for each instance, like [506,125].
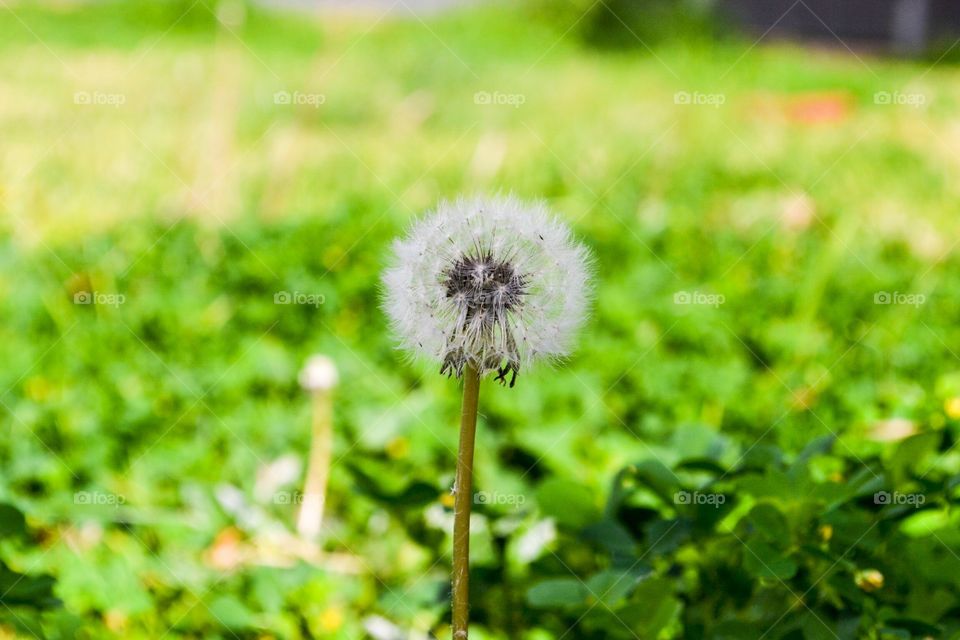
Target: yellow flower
[868,580]
[398,448]
[115,620]
[826,532]
[952,407]
[331,619]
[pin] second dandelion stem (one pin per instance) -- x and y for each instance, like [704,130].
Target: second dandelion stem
[463,501]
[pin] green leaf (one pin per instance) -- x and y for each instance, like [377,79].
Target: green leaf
[416,494]
[12,521]
[656,477]
[736,630]
[569,503]
[776,485]
[762,456]
[652,608]
[925,523]
[614,538]
[701,464]
[891,633]
[232,613]
[817,626]
[815,447]
[864,482]
[28,624]
[763,561]
[916,627]
[664,536]
[698,441]
[770,523]
[18,588]
[611,586]
[912,453]
[557,592]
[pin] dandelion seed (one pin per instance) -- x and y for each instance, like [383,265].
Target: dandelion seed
[492,284]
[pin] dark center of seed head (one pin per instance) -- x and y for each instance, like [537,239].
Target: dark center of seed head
[485,286]
[486,289]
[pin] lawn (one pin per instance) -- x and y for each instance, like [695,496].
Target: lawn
[754,438]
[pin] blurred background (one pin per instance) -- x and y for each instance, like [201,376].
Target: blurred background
[754,439]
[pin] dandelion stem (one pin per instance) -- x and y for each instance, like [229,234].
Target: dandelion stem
[310,520]
[462,503]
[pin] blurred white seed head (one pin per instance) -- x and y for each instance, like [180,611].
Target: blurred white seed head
[496,284]
[319,374]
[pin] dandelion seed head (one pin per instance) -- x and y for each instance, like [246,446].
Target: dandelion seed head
[495,284]
[319,374]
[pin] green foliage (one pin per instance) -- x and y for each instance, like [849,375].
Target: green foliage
[28,603]
[776,464]
[763,551]
[632,24]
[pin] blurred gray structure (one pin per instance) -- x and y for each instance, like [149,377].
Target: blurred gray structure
[905,26]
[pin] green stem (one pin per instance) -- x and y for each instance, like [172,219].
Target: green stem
[462,503]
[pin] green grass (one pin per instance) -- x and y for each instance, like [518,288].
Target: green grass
[199,197]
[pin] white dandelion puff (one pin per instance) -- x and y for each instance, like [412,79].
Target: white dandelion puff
[494,284]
